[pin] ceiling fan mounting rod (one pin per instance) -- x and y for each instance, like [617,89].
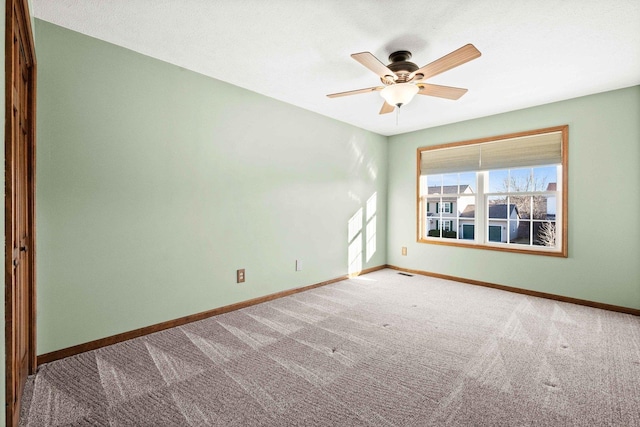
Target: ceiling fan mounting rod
[400,56]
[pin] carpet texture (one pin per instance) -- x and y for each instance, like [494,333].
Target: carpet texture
[382,349]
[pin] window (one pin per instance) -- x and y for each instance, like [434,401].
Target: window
[445,207]
[505,193]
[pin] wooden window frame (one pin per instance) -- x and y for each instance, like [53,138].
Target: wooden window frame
[501,247]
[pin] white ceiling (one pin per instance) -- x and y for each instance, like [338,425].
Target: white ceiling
[533,51]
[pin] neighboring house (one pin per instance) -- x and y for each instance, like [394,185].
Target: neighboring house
[499,219]
[544,206]
[448,210]
[550,204]
[443,212]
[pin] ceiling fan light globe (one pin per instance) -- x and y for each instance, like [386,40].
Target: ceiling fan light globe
[399,94]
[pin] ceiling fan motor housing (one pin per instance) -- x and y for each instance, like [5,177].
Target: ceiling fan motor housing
[401,66]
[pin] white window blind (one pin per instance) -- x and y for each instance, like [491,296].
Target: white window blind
[530,150]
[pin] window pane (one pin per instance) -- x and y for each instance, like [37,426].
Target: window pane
[545,233]
[466,207]
[468,231]
[541,207]
[450,180]
[498,180]
[434,182]
[522,204]
[520,232]
[551,207]
[432,206]
[433,227]
[468,182]
[448,229]
[495,232]
[521,180]
[498,207]
[547,177]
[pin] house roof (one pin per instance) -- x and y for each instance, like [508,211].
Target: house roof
[447,189]
[552,186]
[495,211]
[469,212]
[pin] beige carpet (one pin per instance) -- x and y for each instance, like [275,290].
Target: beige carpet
[380,350]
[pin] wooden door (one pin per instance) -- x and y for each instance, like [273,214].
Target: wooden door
[19,205]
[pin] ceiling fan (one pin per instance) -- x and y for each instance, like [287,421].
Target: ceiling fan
[402,79]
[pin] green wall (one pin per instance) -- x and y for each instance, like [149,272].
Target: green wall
[156,183]
[604,201]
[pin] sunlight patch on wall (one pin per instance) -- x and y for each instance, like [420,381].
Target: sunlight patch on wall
[354,197]
[372,205]
[355,256]
[363,219]
[354,253]
[361,158]
[355,225]
[371,225]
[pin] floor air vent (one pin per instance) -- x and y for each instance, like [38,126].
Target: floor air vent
[406,274]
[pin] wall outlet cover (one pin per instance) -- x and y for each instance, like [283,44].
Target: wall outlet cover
[240,276]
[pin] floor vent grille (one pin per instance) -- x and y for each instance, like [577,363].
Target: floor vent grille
[406,274]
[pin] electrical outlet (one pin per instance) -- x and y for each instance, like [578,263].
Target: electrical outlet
[298,265]
[240,276]
[404,250]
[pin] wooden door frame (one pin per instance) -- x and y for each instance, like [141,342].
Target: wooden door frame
[19,9]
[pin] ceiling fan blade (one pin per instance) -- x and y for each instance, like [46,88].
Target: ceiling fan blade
[458,57]
[371,62]
[386,108]
[355,92]
[441,91]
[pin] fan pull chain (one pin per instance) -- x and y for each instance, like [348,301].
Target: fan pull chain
[397,115]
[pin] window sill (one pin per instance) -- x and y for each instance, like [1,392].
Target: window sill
[501,247]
